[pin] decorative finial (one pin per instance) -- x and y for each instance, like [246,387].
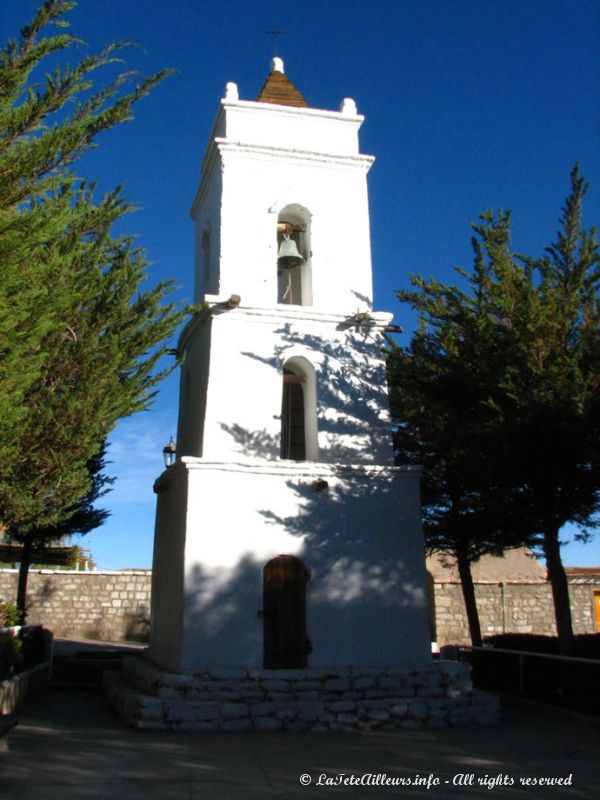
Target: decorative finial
[277,64]
[348,106]
[231,91]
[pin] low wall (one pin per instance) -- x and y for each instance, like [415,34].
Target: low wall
[109,606]
[15,691]
[508,607]
[298,700]
[115,606]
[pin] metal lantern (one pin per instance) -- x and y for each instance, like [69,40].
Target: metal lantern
[169,453]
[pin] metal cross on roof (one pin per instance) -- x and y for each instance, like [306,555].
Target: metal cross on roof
[276,33]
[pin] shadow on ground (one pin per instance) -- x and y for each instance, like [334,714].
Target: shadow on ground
[68,745]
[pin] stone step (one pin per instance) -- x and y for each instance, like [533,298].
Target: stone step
[84,669]
[149,698]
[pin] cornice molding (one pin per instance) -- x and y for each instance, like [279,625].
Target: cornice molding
[294,470]
[269,152]
[217,308]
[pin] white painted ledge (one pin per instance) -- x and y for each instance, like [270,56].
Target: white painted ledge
[289,469]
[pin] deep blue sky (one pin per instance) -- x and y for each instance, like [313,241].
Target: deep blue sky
[469,105]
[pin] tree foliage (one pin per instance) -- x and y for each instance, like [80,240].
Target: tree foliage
[80,342]
[498,394]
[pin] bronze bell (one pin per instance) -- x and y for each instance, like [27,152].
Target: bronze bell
[288,255]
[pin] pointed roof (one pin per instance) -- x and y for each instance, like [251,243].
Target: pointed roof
[279,90]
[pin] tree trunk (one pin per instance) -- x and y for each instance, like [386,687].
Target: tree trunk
[23,575]
[560,590]
[468,590]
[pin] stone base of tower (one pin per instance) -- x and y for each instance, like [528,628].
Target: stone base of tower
[317,700]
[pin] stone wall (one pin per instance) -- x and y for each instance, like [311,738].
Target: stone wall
[508,607]
[20,688]
[110,606]
[115,606]
[298,700]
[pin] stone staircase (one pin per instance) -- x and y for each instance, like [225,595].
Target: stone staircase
[82,669]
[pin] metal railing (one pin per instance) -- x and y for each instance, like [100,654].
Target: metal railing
[561,680]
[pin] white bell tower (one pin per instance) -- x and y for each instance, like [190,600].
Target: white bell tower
[285,537]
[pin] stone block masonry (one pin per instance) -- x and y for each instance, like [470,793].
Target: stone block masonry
[319,700]
[508,607]
[108,606]
[115,606]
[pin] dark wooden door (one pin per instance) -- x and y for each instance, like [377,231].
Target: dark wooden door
[284,613]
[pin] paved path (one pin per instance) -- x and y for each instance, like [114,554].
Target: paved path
[68,745]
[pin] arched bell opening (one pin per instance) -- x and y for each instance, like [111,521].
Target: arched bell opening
[299,411]
[285,642]
[294,270]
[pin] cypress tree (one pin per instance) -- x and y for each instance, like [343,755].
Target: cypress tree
[498,394]
[80,342]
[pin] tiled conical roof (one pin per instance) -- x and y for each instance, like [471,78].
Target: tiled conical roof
[279,90]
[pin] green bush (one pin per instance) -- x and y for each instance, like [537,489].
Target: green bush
[9,614]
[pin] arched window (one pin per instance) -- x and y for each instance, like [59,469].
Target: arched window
[299,411]
[205,256]
[285,643]
[294,269]
[293,434]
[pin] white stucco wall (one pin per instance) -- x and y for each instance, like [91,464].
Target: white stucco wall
[262,158]
[238,359]
[168,577]
[206,277]
[360,538]
[300,129]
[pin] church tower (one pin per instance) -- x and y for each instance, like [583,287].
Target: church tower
[285,536]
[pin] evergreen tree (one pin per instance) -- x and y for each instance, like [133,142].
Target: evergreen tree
[81,518]
[499,395]
[552,411]
[443,399]
[79,341]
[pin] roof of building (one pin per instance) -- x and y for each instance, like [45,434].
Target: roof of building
[593,572]
[58,556]
[583,574]
[515,565]
[279,90]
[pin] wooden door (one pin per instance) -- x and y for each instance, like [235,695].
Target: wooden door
[597,610]
[284,613]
